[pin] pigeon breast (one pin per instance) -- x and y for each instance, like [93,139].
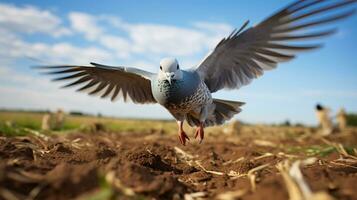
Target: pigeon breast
[176,92]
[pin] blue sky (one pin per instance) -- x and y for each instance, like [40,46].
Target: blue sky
[139,34]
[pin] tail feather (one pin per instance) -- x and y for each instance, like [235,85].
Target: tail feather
[223,111]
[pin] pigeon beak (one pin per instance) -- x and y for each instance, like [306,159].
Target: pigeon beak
[169,77]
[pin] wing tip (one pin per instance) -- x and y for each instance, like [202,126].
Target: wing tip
[97,64]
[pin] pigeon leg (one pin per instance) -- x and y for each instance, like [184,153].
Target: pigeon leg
[182,134]
[200,132]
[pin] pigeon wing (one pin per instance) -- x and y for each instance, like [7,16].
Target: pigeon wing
[246,54]
[106,81]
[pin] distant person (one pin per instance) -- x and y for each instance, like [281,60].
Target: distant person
[53,121]
[59,119]
[324,119]
[233,128]
[46,122]
[341,119]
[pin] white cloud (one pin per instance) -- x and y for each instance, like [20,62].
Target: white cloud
[28,19]
[15,20]
[150,42]
[11,77]
[173,40]
[85,24]
[169,40]
[149,39]
[68,53]
[120,46]
[51,53]
[14,47]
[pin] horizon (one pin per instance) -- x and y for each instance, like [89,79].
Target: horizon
[139,35]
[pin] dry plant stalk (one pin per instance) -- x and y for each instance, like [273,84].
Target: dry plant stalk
[183,153]
[36,133]
[291,186]
[231,195]
[346,160]
[343,164]
[252,175]
[9,195]
[263,156]
[24,177]
[184,156]
[208,171]
[116,183]
[20,178]
[339,147]
[235,174]
[35,191]
[282,154]
[264,143]
[297,188]
[189,159]
[193,196]
[235,161]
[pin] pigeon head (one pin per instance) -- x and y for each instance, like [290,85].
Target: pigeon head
[169,70]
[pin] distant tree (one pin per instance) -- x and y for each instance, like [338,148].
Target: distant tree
[351,119]
[287,123]
[78,113]
[299,125]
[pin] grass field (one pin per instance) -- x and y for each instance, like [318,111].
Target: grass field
[33,121]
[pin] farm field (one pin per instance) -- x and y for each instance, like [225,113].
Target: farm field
[124,159]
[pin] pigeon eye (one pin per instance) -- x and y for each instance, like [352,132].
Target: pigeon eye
[160,68]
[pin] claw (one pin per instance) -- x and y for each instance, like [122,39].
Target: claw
[182,137]
[200,132]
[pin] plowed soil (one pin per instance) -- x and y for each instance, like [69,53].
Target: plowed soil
[156,166]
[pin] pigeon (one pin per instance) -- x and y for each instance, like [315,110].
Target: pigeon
[235,61]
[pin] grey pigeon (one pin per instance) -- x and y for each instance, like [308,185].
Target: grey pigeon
[237,59]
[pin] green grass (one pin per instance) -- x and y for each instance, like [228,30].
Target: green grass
[9,130]
[314,150]
[11,121]
[22,119]
[107,191]
[33,120]
[318,150]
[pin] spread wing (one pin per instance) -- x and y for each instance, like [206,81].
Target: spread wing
[107,81]
[245,55]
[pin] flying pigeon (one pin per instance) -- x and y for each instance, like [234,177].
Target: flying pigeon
[237,59]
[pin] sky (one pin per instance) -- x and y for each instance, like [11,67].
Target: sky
[140,33]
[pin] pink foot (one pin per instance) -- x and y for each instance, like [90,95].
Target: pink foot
[200,132]
[183,137]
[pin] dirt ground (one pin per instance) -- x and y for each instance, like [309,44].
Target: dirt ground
[156,166]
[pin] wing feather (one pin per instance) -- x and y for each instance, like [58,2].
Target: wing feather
[106,81]
[245,54]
